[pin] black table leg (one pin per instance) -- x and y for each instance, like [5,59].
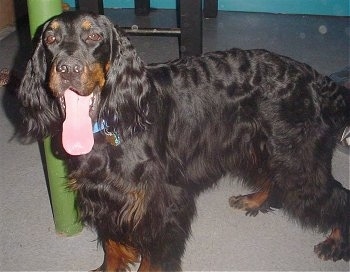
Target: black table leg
[91,6]
[191,27]
[210,8]
[142,7]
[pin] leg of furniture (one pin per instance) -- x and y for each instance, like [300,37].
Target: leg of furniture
[142,7]
[91,5]
[190,21]
[210,8]
[65,214]
[191,27]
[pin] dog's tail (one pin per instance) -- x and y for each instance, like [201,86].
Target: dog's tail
[335,104]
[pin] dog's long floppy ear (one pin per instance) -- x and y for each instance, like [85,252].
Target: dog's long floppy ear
[39,110]
[125,97]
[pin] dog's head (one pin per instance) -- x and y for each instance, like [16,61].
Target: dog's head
[83,70]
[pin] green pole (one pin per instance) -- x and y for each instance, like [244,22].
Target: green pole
[62,200]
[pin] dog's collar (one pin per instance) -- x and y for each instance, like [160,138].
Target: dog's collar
[111,137]
[99,126]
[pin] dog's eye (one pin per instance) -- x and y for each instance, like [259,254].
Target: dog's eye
[50,39]
[94,37]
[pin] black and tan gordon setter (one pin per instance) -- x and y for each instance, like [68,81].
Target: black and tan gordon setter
[141,141]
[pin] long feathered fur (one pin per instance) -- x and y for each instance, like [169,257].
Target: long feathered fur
[126,87]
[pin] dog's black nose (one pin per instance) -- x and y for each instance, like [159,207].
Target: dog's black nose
[69,68]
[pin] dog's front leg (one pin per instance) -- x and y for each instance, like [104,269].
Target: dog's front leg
[146,266]
[118,257]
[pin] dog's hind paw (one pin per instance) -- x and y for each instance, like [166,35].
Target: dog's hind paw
[333,248]
[329,250]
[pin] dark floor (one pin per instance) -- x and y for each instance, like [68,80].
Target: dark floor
[223,239]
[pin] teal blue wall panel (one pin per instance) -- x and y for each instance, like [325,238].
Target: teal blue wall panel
[315,7]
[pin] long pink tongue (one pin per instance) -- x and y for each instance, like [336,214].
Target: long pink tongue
[77,137]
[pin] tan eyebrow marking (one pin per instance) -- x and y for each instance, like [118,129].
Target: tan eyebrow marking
[86,25]
[55,25]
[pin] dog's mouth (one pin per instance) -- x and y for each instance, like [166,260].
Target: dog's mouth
[93,98]
[78,111]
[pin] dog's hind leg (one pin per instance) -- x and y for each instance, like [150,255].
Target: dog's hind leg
[335,247]
[318,201]
[333,213]
[336,210]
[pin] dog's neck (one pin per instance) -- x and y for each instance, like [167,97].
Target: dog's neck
[112,138]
